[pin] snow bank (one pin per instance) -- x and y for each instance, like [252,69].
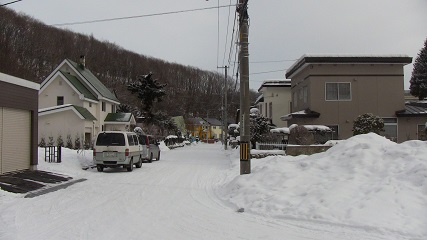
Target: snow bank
[365,181]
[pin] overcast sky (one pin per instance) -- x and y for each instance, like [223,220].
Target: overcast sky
[281,31]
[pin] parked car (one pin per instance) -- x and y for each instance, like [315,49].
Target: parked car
[152,146]
[117,149]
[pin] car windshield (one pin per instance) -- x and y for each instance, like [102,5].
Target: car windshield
[110,139]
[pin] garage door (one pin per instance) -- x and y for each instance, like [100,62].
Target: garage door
[15,138]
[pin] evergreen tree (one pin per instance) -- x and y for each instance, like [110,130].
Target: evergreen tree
[69,142]
[419,74]
[367,123]
[124,108]
[149,91]
[259,127]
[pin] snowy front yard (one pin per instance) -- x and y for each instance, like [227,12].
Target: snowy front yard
[363,188]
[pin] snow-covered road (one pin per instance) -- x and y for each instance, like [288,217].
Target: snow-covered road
[174,198]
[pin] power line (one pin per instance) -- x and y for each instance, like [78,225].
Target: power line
[138,16]
[256,73]
[10,3]
[276,61]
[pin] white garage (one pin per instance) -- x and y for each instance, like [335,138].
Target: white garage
[18,124]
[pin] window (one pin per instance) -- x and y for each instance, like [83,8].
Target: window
[130,140]
[266,110]
[338,91]
[60,100]
[270,109]
[390,127]
[103,106]
[113,108]
[90,104]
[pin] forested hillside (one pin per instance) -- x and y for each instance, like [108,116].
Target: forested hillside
[30,50]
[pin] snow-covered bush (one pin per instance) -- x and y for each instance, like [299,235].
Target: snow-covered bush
[59,141]
[69,143]
[299,135]
[367,123]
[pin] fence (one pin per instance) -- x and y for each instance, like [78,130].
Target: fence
[271,146]
[52,154]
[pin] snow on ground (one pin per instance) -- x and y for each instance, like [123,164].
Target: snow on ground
[365,181]
[365,187]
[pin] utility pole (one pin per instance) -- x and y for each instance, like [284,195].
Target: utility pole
[224,109]
[245,135]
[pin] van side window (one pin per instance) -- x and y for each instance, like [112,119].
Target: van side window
[135,139]
[130,140]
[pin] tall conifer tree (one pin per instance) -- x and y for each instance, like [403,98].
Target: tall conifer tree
[419,74]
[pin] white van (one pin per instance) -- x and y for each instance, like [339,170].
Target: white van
[116,149]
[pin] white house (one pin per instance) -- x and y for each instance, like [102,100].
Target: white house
[73,103]
[275,100]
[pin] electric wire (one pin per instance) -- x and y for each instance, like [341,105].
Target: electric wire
[10,3]
[137,16]
[226,36]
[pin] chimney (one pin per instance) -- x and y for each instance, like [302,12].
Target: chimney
[82,61]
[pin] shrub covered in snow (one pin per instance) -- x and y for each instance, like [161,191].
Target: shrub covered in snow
[367,123]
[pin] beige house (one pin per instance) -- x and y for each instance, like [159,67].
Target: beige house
[215,126]
[334,90]
[74,103]
[275,100]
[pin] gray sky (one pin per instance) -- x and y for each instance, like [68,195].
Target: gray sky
[281,31]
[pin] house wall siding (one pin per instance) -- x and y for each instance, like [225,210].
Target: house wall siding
[62,123]
[375,88]
[58,87]
[280,98]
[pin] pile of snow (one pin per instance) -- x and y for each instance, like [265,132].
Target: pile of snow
[365,181]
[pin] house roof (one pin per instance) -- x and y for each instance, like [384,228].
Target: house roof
[346,59]
[307,113]
[214,121]
[83,113]
[275,83]
[94,81]
[79,86]
[259,99]
[197,121]
[413,110]
[118,117]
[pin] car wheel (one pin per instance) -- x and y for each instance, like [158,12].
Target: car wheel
[158,157]
[150,160]
[139,163]
[100,168]
[130,166]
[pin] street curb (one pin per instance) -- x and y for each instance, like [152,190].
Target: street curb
[55,188]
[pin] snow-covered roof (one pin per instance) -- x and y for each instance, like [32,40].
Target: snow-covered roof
[307,113]
[312,128]
[19,81]
[275,83]
[283,130]
[345,59]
